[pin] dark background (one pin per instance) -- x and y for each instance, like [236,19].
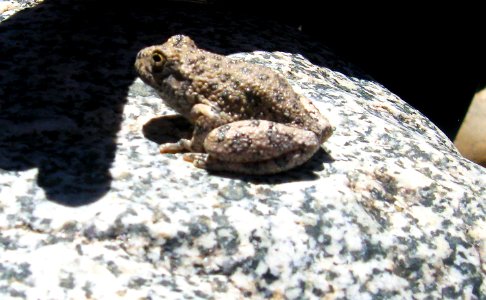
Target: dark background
[429,55]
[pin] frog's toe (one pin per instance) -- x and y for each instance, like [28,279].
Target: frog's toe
[170,148]
[180,146]
[197,159]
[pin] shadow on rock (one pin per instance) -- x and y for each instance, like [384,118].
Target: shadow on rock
[167,129]
[63,86]
[65,69]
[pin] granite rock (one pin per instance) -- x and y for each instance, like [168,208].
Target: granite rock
[90,209]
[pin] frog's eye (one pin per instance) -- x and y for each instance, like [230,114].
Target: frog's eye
[157,57]
[158,61]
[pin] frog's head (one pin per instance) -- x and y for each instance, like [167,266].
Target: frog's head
[162,68]
[156,65]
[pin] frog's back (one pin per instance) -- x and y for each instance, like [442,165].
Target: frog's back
[273,98]
[256,91]
[243,90]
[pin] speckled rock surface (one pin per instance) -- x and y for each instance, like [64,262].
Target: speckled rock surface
[89,209]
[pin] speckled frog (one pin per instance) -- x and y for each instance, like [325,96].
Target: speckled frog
[246,117]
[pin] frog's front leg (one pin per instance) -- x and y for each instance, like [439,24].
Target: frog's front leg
[205,118]
[256,147]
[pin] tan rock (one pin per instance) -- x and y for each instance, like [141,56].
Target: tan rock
[471,138]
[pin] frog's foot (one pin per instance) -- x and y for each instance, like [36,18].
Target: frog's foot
[197,159]
[181,146]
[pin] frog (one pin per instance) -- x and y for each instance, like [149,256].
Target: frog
[247,118]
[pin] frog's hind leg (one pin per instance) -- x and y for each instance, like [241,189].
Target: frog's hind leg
[256,147]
